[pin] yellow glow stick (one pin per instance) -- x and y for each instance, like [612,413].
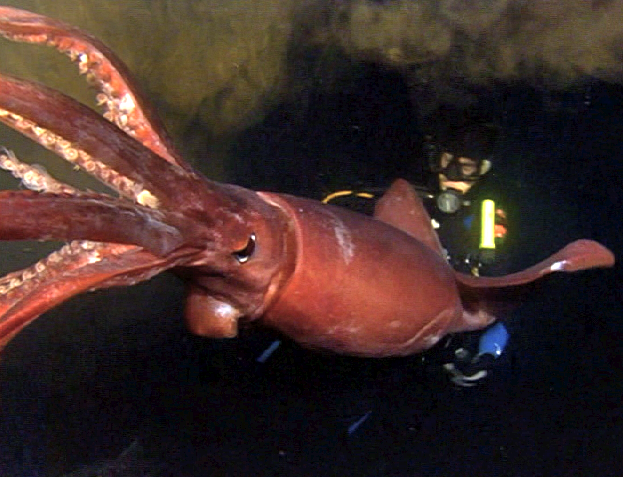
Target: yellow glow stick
[487,230]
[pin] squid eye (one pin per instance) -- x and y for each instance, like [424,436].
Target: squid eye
[246,253]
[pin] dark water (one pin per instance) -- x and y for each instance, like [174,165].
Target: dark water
[110,383]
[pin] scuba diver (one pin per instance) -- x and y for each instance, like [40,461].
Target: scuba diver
[455,164]
[471,230]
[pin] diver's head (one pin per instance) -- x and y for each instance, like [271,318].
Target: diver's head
[462,168]
[462,156]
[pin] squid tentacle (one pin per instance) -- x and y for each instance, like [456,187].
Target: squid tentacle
[32,177]
[88,141]
[124,103]
[77,267]
[16,285]
[44,215]
[127,241]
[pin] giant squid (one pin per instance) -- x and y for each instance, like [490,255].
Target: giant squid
[324,276]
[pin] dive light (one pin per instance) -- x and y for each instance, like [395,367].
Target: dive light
[487,231]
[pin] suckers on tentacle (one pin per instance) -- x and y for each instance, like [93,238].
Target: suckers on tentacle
[73,154]
[118,93]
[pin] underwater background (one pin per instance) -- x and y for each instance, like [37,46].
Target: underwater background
[308,97]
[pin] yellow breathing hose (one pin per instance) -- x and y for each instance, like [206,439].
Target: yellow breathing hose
[344,193]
